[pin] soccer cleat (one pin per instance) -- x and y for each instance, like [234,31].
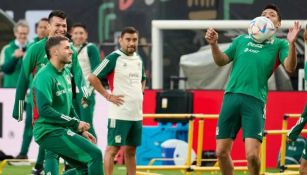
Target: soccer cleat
[37,172]
[20,156]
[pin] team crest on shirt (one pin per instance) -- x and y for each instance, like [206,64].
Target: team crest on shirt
[124,64]
[68,80]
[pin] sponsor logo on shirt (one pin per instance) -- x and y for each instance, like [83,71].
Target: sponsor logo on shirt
[251,50]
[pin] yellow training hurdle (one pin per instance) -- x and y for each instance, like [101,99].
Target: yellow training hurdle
[188,167]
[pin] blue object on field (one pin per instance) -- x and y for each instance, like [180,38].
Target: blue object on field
[154,136]
[168,152]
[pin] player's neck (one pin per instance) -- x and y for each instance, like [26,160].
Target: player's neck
[57,64]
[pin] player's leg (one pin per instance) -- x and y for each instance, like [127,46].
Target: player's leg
[303,165]
[39,164]
[51,162]
[117,135]
[70,145]
[253,127]
[87,113]
[109,156]
[27,134]
[229,123]
[133,140]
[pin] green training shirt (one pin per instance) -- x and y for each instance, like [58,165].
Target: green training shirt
[11,66]
[52,96]
[253,64]
[34,60]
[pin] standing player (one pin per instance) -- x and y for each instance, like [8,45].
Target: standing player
[57,125]
[34,60]
[246,92]
[42,32]
[89,58]
[125,72]
[296,129]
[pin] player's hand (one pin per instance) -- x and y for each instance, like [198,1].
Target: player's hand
[83,126]
[116,99]
[18,53]
[89,137]
[211,36]
[293,32]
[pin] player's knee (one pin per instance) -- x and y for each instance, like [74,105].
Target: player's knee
[96,153]
[112,151]
[222,153]
[253,158]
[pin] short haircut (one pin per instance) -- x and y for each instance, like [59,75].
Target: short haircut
[53,41]
[57,13]
[130,30]
[42,19]
[273,7]
[21,23]
[79,25]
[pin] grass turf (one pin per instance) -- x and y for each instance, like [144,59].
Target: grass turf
[119,170]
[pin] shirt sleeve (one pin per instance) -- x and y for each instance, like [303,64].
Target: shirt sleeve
[10,62]
[284,50]
[78,76]
[94,56]
[143,72]
[299,126]
[231,50]
[27,67]
[43,93]
[106,66]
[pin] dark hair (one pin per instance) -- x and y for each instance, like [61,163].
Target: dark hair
[273,7]
[58,13]
[130,30]
[79,25]
[53,41]
[42,19]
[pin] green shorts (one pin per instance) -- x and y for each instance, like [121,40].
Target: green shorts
[122,132]
[239,110]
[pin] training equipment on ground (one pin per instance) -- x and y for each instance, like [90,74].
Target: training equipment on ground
[261,29]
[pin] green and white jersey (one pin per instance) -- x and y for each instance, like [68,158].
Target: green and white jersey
[125,75]
[52,97]
[253,64]
[34,60]
[89,58]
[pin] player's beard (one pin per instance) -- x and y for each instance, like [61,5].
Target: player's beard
[130,50]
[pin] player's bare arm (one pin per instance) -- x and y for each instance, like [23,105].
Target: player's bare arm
[95,82]
[219,57]
[291,61]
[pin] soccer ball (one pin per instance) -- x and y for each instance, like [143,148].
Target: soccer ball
[261,29]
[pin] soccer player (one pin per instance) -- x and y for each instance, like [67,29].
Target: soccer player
[246,92]
[41,29]
[125,72]
[57,125]
[89,58]
[42,32]
[14,53]
[34,60]
[298,127]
